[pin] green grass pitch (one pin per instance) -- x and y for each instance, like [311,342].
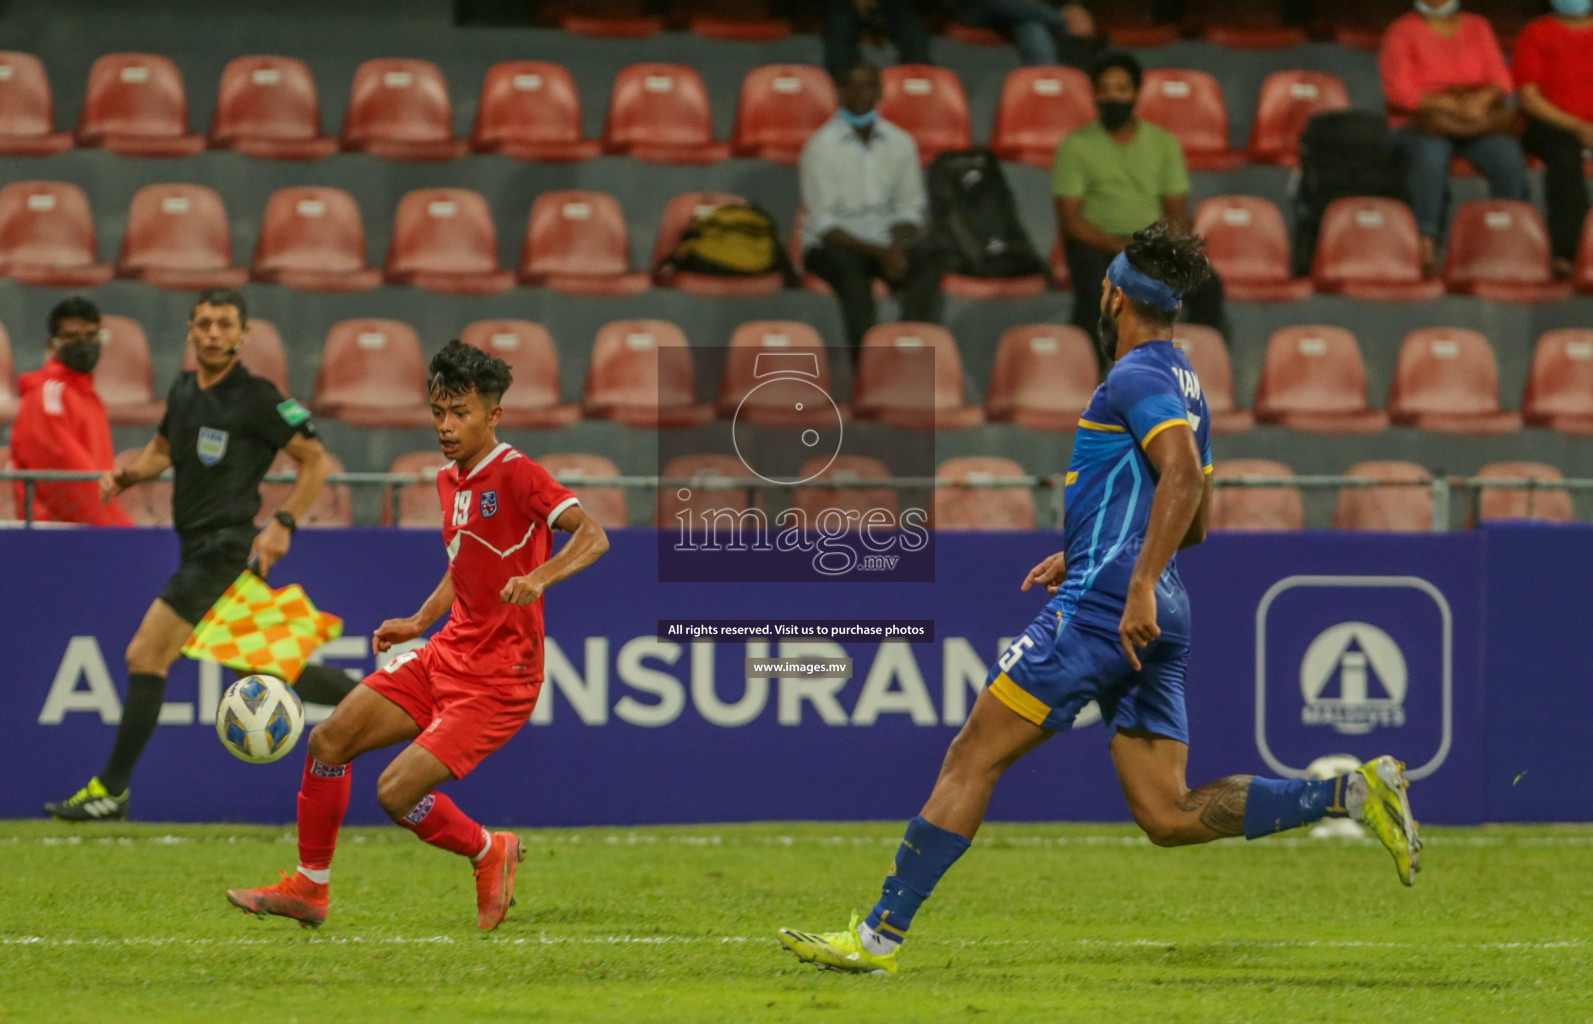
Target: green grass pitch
[1049,923]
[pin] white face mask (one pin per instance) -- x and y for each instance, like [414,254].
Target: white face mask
[1441,11]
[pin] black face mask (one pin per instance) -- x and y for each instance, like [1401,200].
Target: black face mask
[81,356]
[1114,113]
[1106,338]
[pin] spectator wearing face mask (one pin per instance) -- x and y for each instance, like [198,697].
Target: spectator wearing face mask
[1553,68]
[1447,89]
[61,423]
[1113,177]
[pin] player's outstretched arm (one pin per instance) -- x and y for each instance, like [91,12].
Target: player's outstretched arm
[154,460]
[586,545]
[1180,488]
[314,467]
[397,631]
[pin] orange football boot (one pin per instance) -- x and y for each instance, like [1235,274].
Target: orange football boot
[295,896]
[495,879]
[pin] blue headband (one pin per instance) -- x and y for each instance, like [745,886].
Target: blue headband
[1142,287]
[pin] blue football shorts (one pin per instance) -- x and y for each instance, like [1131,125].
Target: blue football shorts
[1054,669]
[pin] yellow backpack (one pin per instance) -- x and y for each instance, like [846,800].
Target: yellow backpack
[732,241]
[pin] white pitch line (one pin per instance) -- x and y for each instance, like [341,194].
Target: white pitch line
[41,941]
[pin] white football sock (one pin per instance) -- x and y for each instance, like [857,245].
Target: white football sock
[321,876]
[487,836]
[1355,794]
[875,943]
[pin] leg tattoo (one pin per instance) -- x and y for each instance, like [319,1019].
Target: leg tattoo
[1221,804]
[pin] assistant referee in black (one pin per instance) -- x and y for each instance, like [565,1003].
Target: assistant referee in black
[222,430]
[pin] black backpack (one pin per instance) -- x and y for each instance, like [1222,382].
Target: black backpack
[1343,154]
[975,219]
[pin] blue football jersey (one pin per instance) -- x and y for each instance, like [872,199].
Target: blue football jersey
[1110,484]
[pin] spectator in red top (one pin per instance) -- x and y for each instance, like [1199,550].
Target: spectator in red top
[1446,84]
[1554,72]
[61,423]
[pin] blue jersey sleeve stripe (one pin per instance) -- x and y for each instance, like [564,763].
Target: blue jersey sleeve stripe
[1152,411]
[1150,435]
[1092,425]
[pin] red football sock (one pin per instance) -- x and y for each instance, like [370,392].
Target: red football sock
[323,800]
[440,822]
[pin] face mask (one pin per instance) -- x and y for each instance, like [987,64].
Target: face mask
[1114,113]
[1106,338]
[81,356]
[862,122]
[1441,11]
[1573,8]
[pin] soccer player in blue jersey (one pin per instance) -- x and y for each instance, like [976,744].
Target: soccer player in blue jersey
[1116,631]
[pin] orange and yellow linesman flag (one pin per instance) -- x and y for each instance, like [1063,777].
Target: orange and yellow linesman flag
[257,629]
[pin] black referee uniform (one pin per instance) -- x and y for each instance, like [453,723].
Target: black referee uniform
[223,439]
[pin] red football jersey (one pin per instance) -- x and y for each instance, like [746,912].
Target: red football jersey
[496,526]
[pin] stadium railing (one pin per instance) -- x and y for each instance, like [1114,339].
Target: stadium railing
[1442,488]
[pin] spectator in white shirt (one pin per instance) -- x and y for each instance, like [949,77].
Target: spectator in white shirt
[863,189]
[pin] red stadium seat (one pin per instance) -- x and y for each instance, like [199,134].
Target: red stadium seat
[1499,249]
[418,505]
[642,376]
[268,107]
[123,377]
[781,105]
[1406,509]
[1582,276]
[1255,508]
[27,110]
[47,236]
[928,103]
[444,241]
[606,505]
[136,106]
[678,215]
[262,355]
[1249,247]
[1560,385]
[1190,105]
[605,19]
[790,353]
[399,109]
[530,110]
[1369,249]
[333,507]
[1288,100]
[1208,354]
[372,375]
[1043,378]
[707,494]
[313,238]
[1546,504]
[910,375]
[858,505]
[148,504]
[535,400]
[982,508]
[1038,107]
[8,380]
[577,242]
[660,113]
[736,21]
[1447,380]
[1314,380]
[178,237]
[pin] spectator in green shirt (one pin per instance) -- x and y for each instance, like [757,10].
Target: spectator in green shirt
[1113,177]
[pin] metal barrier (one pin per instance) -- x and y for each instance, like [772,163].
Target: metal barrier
[1443,488]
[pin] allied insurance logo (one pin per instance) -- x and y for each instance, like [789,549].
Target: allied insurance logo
[1354,664]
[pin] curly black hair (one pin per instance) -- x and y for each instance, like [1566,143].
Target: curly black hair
[460,369]
[222,297]
[1171,255]
[75,308]
[1121,59]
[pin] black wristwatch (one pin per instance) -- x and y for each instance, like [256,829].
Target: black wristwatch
[286,519]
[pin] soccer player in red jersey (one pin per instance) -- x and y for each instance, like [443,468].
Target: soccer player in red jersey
[473,686]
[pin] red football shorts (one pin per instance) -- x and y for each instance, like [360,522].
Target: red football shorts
[461,720]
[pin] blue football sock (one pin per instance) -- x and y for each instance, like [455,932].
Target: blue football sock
[927,852]
[1276,805]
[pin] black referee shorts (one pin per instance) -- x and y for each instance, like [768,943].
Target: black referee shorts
[211,561]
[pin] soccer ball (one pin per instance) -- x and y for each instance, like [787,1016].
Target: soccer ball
[259,719]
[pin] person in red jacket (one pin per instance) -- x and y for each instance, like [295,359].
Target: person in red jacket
[61,423]
[1553,57]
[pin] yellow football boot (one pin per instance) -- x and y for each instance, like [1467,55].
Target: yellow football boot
[1387,813]
[837,951]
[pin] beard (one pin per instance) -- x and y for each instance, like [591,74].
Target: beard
[1106,338]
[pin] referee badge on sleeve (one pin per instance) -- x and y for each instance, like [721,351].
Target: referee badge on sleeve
[212,445]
